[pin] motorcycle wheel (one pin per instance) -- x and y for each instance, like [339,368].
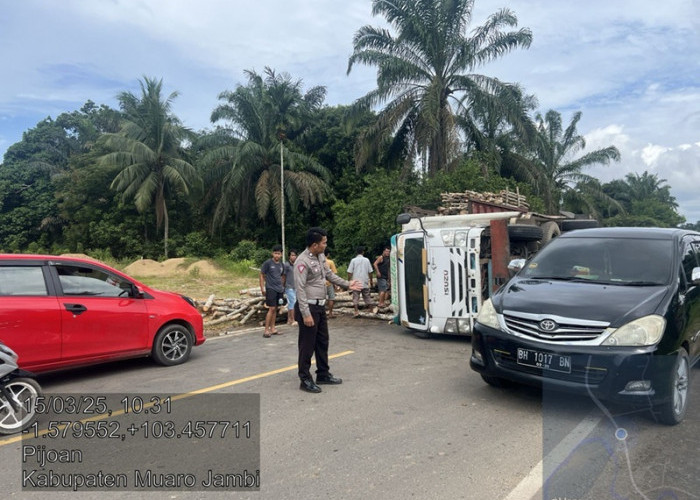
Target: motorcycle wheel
[24,391]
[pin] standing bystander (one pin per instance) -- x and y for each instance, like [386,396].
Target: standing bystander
[381,267]
[289,290]
[310,274]
[272,287]
[330,287]
[361,270]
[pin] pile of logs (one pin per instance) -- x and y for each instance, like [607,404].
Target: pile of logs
[250,309]
[463,203]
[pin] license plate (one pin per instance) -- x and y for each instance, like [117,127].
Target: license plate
[544,360]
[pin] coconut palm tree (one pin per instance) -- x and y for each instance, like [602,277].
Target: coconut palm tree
[425,70]
[554,169]
[148,149]
[264,116]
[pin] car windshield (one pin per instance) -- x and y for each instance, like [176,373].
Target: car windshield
[617,261]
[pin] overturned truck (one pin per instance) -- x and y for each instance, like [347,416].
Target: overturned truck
[445,266]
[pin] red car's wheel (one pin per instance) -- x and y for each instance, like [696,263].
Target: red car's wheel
[172,345]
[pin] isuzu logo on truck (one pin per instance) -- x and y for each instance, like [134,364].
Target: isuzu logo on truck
[446,282]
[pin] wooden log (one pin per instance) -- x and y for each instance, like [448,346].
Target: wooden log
[217,321]
[247,316]
[208,303]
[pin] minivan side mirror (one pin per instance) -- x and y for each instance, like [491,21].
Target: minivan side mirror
[695,276]
[516,265]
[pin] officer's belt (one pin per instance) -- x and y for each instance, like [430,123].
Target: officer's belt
[317,302]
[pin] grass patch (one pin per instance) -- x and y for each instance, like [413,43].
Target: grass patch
[234,277]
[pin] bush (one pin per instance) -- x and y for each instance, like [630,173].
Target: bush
[196,244]
[249,250]
[244,250]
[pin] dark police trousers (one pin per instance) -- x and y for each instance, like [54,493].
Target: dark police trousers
[312,340]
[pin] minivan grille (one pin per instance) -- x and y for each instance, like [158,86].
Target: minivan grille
[562,329]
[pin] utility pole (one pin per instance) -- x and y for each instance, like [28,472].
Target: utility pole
[284,253]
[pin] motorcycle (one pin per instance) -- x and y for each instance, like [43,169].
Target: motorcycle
[18,393]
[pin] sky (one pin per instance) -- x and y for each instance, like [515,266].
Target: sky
[632,67]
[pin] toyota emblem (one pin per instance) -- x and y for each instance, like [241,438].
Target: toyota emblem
[548,325]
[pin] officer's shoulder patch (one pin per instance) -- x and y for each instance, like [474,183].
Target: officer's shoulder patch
[301,268]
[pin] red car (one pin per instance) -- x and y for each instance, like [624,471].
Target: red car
[63,312]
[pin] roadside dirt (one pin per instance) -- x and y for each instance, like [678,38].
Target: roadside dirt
[151,268]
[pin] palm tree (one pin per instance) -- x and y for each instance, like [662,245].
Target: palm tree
[553,168]
[646,199]
[148,150]
[265,115]
[648,186]
[424,71]
[500,127]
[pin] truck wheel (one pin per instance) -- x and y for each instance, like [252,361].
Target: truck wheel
[571,224]
[524,232]
[673,411]
[550,230]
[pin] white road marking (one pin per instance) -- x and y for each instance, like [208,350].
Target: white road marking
[533,482]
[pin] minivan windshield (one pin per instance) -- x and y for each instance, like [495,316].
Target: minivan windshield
[617,261]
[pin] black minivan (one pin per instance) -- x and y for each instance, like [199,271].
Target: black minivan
[610,312]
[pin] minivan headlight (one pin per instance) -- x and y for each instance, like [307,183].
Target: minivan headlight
[488,316]
[643,331]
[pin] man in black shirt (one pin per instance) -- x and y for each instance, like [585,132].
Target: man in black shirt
[381,267]
[272,282]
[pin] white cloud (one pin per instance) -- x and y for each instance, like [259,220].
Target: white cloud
[631,66]
[651,154]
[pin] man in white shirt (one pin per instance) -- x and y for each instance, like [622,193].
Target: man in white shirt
[360,269]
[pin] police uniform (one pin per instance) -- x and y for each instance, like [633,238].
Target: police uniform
[310,275]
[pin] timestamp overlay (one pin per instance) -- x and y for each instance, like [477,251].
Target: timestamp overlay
[134,442]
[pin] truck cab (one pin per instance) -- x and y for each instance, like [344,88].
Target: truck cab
[444,267]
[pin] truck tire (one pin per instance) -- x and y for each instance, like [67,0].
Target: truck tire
[550,230]
[524,232]
[571,224]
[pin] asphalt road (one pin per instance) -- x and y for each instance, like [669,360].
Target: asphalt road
[410,420]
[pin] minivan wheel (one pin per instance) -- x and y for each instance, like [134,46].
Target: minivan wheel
[494,381]
[172,345]
[673,411]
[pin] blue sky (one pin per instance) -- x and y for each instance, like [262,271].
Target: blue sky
[631,66]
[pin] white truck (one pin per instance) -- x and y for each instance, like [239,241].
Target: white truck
[444,267]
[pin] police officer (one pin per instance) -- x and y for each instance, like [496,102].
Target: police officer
[310,275]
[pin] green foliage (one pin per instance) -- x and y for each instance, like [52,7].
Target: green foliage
[645,201]
[250,251]
[244,268]
[647,213]
[370,218]
[197,244]
[469,175]
[691,226]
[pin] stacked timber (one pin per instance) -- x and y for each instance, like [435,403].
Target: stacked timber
[250,309]
[471,202]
